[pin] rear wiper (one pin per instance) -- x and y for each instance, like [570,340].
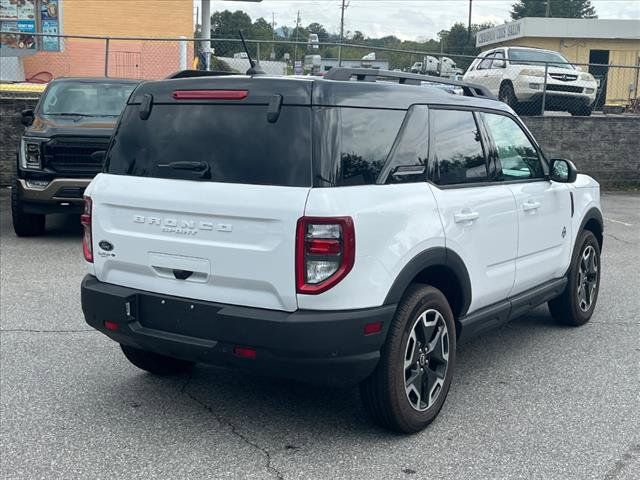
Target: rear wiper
[194,166]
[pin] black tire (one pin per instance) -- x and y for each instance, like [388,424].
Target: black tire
[508,96]
[581,111]
[155,363]
[24,224]
[385,394]
[570,307]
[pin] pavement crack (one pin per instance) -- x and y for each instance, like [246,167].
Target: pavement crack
[234,430]
[31,330]
[627,457]
[618,239]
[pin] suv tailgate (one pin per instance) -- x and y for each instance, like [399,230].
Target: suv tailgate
[234,244]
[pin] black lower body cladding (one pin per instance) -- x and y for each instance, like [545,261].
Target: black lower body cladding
[325,347]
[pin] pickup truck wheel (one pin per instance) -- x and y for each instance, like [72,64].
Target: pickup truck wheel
[155,363]
[412,379]
[24,224]
[577,303]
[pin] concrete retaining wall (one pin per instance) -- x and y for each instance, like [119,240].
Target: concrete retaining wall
[605,147]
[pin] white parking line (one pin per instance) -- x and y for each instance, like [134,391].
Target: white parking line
[618,221]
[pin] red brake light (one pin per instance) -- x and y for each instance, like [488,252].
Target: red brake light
[87,240]
[325,252]
[210,94]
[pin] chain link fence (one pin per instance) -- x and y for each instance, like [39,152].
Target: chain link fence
[531,87]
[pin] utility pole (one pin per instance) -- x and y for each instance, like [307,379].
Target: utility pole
[295,48]
[344,6]
[206,33]
[548,12]
[273,36]
[469,28]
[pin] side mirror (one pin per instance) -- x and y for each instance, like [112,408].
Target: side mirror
[98,156]
[563,171]
[499,64]
[578,68]
[26,117]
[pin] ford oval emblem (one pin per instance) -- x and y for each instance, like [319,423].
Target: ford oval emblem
[106,246]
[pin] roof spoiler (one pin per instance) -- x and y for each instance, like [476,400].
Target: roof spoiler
[372,75]
[199,73]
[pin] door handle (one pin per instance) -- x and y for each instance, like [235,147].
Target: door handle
[464,217]
[530,205]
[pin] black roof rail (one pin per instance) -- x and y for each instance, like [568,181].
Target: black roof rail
[199,73]
[372,75]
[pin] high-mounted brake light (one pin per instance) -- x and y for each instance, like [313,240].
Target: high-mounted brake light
[87,240]
[325,252]
[210,94]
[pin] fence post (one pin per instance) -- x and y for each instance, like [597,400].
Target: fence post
[258,51]
[544,88]
[106,57]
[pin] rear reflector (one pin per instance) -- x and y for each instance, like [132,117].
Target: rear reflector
[244,352]
[113,326]
[372,328]
[210,94]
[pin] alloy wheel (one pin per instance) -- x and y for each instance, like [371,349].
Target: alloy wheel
[426,359]
[587,278]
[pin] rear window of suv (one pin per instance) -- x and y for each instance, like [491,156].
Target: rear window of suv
[218,143]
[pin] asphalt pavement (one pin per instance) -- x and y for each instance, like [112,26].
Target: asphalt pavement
[531,400]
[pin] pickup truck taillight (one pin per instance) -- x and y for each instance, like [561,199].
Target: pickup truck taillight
[325,252]
[85,220]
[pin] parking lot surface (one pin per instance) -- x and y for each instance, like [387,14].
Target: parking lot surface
[531,400]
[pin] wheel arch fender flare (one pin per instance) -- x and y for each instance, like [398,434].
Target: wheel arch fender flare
[593,215]
[433,257]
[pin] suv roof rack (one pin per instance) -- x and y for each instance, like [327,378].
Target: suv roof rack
[199,73]
[372,75]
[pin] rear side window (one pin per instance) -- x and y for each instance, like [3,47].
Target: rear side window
[218,143]
[367,138]
[408,160]
[456,143]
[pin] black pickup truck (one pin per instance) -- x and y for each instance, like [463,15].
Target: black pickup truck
[73,120]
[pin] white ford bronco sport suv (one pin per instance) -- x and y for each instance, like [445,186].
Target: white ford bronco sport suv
[331,230]
[516,75]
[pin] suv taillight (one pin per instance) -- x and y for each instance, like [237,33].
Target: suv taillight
[85,220]
[325,252]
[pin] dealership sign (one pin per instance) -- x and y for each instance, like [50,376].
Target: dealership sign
[498,34]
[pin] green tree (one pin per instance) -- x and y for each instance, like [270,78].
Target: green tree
[557,9]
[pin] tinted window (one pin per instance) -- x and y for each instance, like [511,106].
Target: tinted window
[523,56]
[219,143]
[86,98]
[367,138]
[518,157]
[409,156]
[457,148]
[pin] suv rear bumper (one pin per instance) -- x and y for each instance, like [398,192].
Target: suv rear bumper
[61,195]
[326,347]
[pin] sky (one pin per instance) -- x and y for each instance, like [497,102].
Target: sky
[406,19]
